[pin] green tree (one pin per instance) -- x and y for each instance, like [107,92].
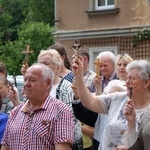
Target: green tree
[5,21]
[13,9]
[24,23]
[37,35]
[19,11]
[41,11]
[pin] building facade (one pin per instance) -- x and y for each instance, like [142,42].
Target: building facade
[102,25]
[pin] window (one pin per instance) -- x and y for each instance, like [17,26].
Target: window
[104,4]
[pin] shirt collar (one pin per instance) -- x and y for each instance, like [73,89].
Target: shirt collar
[44,106]
[88,70]
[111,77]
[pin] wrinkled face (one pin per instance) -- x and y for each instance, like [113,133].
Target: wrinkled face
[45,59]
[3,89]
[34,85]
[135,82]
[121,69]
[107,67]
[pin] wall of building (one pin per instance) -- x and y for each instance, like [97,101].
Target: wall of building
[96,31]
[72,15]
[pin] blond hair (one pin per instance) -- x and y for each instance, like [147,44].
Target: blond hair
[54,57]
[126,57]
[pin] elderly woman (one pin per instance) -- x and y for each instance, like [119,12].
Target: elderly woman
[138,138]
[114,104]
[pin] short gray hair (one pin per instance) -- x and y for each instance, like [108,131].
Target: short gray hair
[143,67]
[108,54]
[47,73]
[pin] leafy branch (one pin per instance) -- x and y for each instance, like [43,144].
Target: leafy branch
[142,35]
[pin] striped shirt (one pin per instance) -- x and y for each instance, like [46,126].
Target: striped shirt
[48,125]
[88,78]
[65,94]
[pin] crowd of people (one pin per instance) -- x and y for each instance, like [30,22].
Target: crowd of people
[70,107]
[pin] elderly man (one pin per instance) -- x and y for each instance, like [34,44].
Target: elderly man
[42,122]
[107,68]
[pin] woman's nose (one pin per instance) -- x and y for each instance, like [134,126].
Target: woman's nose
[127,82]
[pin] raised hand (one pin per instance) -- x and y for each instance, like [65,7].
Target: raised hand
[24,68]
[98,85]
[77,67]
[74,88]
[130,115]
[13,95]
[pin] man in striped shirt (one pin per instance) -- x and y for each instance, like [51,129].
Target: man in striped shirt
[43,122]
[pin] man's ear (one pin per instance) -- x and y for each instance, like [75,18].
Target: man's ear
[84,57]
[49,82]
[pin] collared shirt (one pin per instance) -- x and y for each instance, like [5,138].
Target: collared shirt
[104,83]
[69,77]
[65,94]
[46,126]
[88,77]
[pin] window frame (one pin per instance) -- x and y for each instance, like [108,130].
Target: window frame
[106,7]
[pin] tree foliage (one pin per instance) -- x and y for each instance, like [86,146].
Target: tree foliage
[41,11]
[37,35]
[140,36]
[24,23]
[13,9]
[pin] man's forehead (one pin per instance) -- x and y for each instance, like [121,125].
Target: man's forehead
[34,70]
[35,67]
[105,60]
[105,64]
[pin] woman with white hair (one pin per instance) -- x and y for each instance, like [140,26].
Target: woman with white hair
[138,138]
